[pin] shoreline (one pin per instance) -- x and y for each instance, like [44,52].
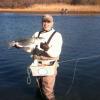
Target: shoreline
[55,9]
[53,12]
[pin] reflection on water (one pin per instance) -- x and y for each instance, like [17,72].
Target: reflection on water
[81,39]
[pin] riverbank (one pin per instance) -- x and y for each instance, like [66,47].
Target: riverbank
[55,9]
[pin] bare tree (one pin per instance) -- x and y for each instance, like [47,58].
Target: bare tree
[75,2]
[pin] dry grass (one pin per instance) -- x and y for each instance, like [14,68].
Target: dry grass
[56,8]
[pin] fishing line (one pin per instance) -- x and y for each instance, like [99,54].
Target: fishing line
[75,68]
[73,78]
[28,76]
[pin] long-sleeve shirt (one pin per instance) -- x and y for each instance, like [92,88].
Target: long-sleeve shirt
[55,44]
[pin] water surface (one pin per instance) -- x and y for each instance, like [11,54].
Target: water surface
[81,39]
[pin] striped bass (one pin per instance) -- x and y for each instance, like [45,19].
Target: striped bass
[27,44]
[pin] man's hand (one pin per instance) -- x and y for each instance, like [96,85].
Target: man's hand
[15,44]
[44,46]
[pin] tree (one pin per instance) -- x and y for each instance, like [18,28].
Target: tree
[75,2]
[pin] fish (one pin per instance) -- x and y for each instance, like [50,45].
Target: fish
[27,44]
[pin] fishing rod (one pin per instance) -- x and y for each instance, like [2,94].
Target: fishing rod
[81,58]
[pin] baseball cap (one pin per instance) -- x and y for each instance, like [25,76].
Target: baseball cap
[47,18]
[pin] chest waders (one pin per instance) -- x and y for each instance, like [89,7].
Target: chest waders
[39,70]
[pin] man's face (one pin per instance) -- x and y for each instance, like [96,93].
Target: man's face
[47,25]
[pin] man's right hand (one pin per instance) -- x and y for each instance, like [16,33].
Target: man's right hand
[15,44]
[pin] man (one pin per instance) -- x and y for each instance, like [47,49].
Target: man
[48,53]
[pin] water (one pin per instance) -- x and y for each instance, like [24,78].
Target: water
[81,39]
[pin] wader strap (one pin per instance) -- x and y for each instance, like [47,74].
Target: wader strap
[51,37]
[39,33]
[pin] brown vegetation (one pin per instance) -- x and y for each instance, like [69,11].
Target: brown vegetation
[51,6]
[56,8]
[29,3]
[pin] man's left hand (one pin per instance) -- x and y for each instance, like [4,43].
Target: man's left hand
[44,46]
